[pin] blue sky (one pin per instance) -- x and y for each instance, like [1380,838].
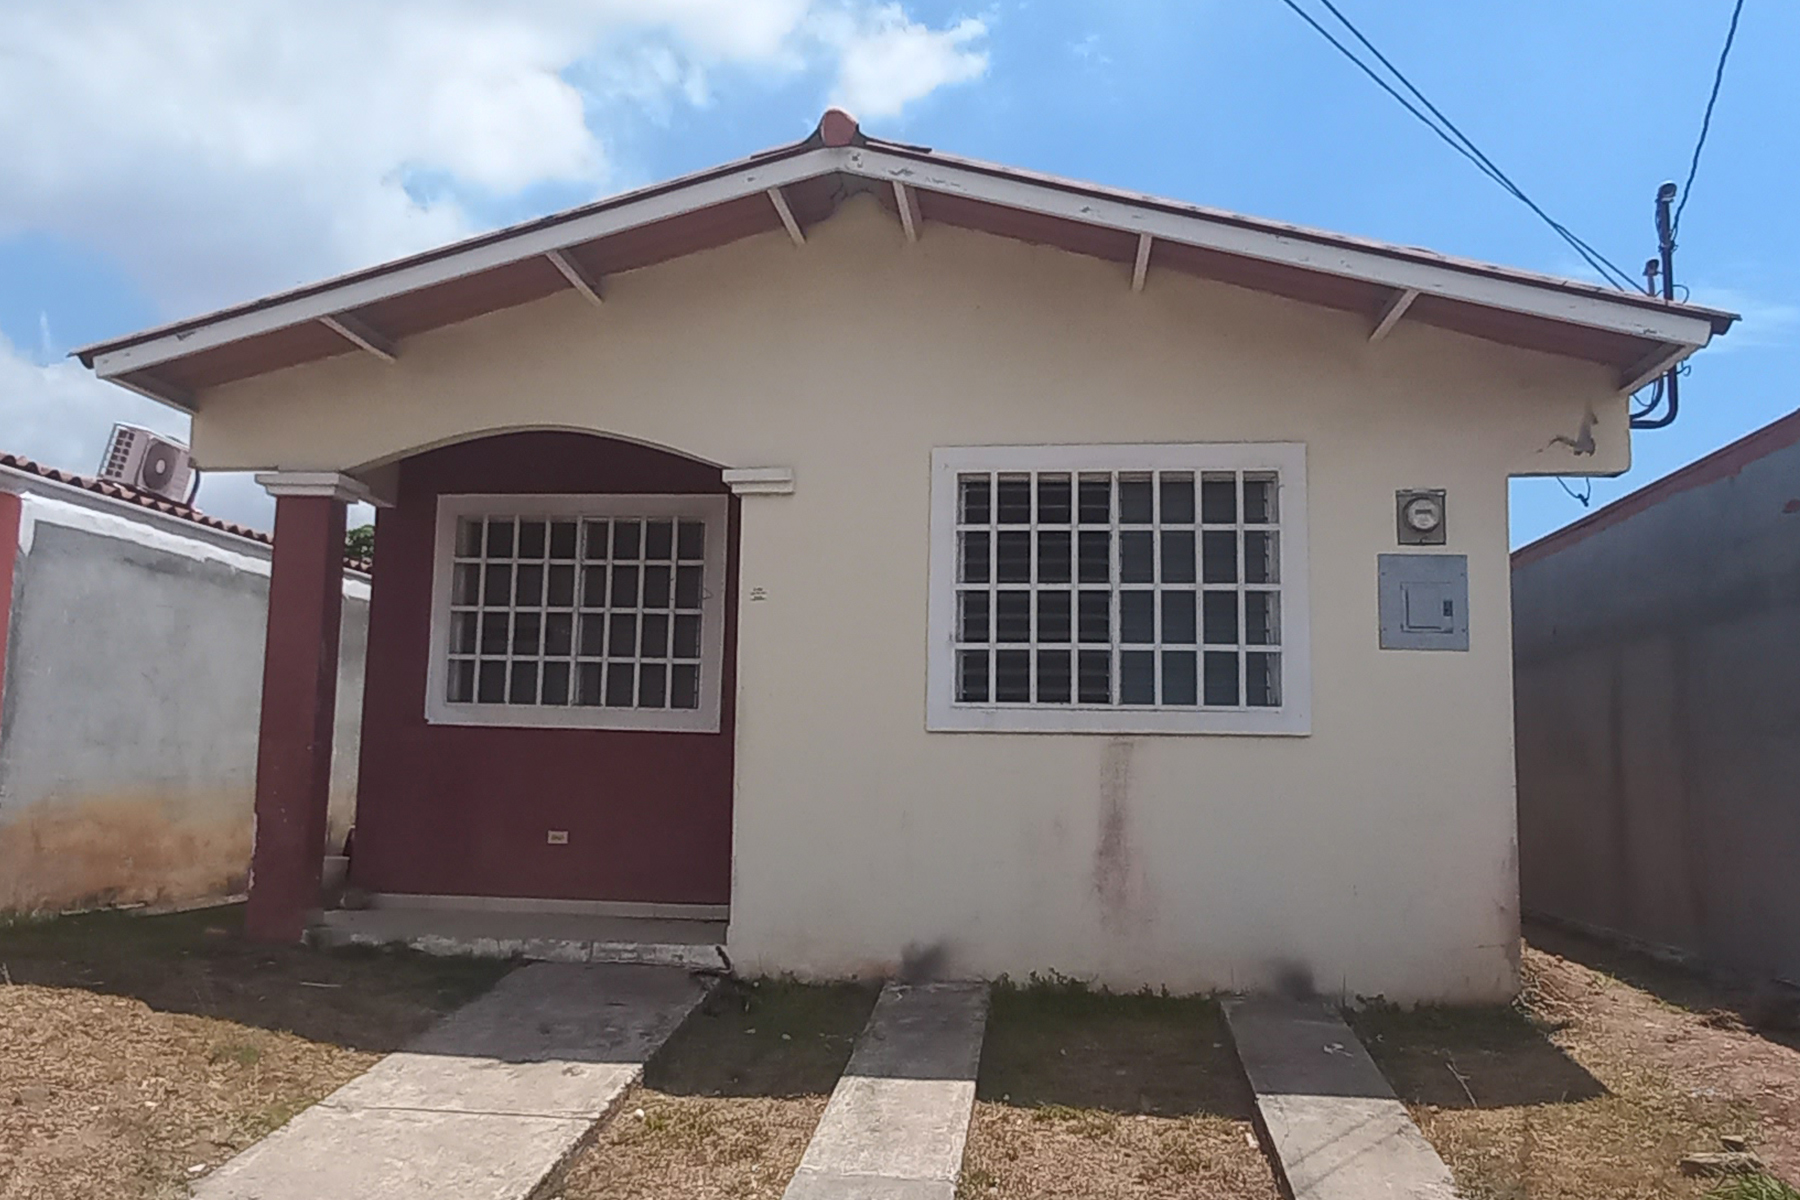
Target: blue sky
[180,155]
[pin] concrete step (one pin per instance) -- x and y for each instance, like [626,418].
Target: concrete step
[549,936]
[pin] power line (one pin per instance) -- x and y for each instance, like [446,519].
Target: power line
[1455,138]
[1687,189]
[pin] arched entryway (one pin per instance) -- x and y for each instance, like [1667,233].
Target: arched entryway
[548,707]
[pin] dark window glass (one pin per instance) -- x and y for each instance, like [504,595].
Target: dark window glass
[1053,679]
[1178,556]
[561,592]
[1222,677]
[1136,500]
[587,684]
[1096,616]
[531,539]
[528,586]
[621,641]
[556,683]
[624,587]
[1179,681]
[627,540]
[1221,618]
[690,542]
[687,587]
[1137,617]
[1095,499]
[1012,617]
[461,684]
[491,682]
[659,540]
[1137,677]
[527,629]
[1053,556]
[621,684]
[1218,556]
[975,555]
[687,637]
[493,633]
[684,686]
[1053,618]
[1177,498]
[1259,557]
[1137,556]
[653,641]
[1262,680]
[1055,500]
[559,634]
[1096,556]
[653,685]
[1094,676]
[1012,558]
[1178,618]
[974,508]
[562,540]
[1012,500]
[1218,499]
[1012,676]
[468,538]
[524,684]
[500,537]
[972,676]
[656,587]
[972,621]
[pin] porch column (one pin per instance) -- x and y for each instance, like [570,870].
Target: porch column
[300,666]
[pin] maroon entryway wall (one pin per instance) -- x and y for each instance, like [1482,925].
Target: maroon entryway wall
[465,810]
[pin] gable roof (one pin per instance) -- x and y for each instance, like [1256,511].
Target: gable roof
[796,186]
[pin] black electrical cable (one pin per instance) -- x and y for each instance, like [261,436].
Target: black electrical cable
[1465,147]
[1687,189]
[1583,497]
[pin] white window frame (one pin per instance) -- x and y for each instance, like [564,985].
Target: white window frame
[944,713]
[713,511]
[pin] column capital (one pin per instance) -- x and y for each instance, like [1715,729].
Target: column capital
[333,484]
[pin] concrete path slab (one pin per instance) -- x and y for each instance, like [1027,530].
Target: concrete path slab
[1337,1129]
[897,1121]
[484,1105]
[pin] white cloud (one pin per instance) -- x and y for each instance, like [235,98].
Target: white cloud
[889,61]
[219,150]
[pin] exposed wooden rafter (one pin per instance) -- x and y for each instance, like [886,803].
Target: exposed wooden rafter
[1392,312]
[580,280]
[787,216]
[909,210]
[362,335]
[1141,268]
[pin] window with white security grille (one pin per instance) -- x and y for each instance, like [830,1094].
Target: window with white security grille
[1118,588]
[598,611]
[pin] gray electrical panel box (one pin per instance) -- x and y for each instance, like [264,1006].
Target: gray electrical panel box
[1424,601]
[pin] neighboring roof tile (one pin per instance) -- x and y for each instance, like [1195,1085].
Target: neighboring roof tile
[130,495]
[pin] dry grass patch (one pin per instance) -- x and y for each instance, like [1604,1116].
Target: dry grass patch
[134,1050]
[1086,1094]
[727,1107]
[1587,1086]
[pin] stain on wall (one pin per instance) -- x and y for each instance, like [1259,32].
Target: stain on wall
[129,725]
[1117,879]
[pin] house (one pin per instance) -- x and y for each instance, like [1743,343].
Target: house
[1657,645]
[897,556]
[131,639]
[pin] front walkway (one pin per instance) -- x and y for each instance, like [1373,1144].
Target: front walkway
[483,1106]
[898,1120]
[1334,1124]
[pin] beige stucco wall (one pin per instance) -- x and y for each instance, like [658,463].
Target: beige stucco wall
[1375,856]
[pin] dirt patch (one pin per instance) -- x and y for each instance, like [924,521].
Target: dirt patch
[1084,1094]
[727,1107]
[1588,1085]
[136,1053]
